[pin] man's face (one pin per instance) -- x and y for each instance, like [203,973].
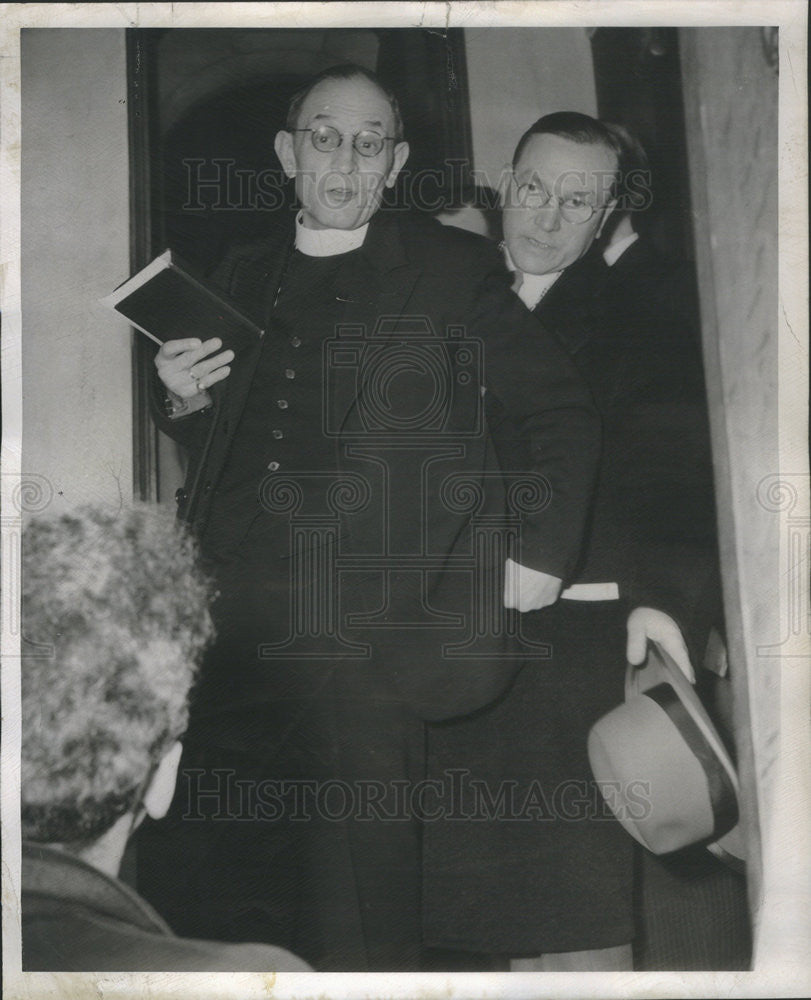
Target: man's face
[341,189]
[539,238]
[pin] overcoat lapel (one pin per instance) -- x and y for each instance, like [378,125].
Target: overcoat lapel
[373,285]
[254,286]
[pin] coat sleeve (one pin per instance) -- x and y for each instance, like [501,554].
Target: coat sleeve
[547,432]
[544,430]
[544,427]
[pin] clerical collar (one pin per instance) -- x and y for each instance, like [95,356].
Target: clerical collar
[530,288]
[327,242]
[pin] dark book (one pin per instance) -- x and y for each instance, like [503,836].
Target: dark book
[167,302]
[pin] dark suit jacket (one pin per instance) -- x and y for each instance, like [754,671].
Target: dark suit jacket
[77,919]
[412,270]
[632,331]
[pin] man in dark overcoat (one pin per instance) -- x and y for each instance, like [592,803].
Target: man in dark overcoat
[540,871]
[347,496]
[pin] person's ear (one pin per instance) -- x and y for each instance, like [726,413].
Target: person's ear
[283,144]
[401,152]
[609,208]
[161,789]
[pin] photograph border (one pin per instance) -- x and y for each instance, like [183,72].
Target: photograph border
[782,966]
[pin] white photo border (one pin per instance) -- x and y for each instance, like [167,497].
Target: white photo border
[785,974]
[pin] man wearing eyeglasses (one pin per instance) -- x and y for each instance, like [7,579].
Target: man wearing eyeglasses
[560,197]
[343,493]
[341,176]
[546,878]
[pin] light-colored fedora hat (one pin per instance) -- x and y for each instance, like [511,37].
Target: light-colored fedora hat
[662,767]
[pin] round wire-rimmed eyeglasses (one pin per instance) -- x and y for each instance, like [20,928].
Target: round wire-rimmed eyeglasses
[325,139]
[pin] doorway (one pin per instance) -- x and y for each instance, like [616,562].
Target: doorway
[205,105]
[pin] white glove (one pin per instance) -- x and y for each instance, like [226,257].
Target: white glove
[648,623]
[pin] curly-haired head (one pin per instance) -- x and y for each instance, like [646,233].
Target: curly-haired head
[115,618]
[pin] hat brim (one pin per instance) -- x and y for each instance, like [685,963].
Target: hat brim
[661,668]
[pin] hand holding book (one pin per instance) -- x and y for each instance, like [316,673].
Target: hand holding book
[170,305]
[187,367]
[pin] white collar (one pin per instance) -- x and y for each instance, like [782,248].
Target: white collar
[532,287]
[327,242]
[614,251]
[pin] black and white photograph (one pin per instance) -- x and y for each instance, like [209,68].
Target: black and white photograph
[405,508]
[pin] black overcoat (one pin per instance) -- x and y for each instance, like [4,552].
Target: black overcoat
[546,868]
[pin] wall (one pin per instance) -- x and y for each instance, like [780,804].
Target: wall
[515,75]
[77,397]
[731,93]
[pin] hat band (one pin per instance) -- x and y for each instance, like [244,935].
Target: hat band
[723,800]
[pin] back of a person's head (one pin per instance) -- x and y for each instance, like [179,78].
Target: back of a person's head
[634,186]
[115,617]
